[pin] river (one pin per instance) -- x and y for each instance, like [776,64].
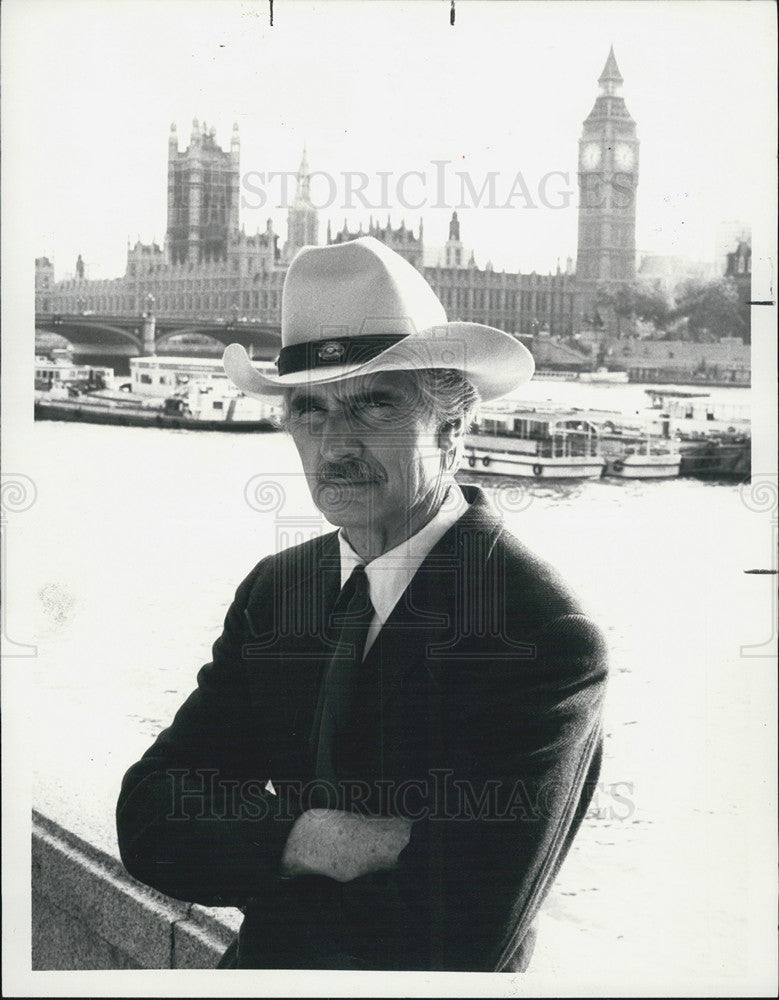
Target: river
[137,538]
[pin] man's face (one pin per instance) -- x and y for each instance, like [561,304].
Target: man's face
[371,452]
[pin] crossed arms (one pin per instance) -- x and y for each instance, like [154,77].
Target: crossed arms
[456,893]
[343,846]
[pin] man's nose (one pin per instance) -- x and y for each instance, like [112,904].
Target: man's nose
[339,438]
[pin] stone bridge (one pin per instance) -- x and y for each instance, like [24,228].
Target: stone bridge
[101,336]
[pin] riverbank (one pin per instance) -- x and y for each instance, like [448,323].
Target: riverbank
[665,886]
[86,411]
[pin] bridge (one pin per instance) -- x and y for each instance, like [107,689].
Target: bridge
[111,339]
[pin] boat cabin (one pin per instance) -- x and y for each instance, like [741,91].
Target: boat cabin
[698,414]
[542,432]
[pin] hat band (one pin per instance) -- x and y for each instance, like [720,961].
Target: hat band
[339,351]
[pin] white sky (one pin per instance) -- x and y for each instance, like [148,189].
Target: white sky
[91,88]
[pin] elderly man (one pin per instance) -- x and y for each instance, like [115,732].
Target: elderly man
[394,744]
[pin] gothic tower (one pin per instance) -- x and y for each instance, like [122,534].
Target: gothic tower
[453,250]
[203,191]
[302,217]
[608,177]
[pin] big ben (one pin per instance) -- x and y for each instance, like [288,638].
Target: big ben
[608,177]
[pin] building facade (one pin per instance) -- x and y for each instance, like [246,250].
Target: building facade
[44,284]
[401,240]
[209,268]
[203,192]
[739,270]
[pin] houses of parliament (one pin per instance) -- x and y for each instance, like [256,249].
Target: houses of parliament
[209,268]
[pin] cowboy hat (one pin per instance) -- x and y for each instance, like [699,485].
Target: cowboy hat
[358,307]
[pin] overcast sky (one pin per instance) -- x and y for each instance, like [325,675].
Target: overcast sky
[91,88]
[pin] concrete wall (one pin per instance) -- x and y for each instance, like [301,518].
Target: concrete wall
[88,913]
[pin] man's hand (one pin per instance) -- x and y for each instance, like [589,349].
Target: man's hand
[343,846]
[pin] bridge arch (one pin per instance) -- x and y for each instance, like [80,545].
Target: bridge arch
[93,331]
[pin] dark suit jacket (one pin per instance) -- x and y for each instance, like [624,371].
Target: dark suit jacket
[481,709]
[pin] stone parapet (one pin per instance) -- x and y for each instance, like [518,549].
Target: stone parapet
[88,913]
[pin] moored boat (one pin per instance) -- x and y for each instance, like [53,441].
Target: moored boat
[88,410]
[714,435]
[697,415]
[636,455]
[519,439]
[554,375]
[178,393]
[605,375]
[720,457]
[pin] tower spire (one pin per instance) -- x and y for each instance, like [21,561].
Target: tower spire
[303,192]
[302,216]
[611,70]
[610,79]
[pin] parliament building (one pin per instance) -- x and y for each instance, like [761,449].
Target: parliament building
[209,268]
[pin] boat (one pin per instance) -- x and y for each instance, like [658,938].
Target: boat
[554,375]
[59,373]
[606,375]
[714,435]
[635,452]
[177,393]
[89,410]
[695,416]
[724,456]
[542,442]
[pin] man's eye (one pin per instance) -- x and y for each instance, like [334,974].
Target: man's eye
[304,406]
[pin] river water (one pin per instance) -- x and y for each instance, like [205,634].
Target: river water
[138,537]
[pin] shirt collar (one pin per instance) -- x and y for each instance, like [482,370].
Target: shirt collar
[390,573]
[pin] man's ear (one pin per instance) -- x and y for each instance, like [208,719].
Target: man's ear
[450,434]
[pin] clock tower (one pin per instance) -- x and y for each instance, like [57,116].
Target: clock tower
[608,177]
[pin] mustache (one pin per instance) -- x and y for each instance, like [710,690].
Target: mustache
[350,469]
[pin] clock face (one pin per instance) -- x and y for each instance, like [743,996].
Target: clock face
[623,156]
[591,155]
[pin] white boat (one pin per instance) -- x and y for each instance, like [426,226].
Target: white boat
[199,389]
[548,375]
[604,375]
[520,439]
[178,392]
[639,455]
[696,415]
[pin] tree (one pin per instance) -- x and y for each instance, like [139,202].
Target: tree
[711,309]
[634,300]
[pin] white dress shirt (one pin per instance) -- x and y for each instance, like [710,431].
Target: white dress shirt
[390,573]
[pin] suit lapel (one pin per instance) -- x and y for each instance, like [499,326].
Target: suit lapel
[292,641]
[440,601]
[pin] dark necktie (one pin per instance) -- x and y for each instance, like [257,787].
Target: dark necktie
[352,615]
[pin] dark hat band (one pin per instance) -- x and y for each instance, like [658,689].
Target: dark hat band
[338,351]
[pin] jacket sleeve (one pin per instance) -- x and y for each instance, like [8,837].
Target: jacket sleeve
[523,749]
[194,819]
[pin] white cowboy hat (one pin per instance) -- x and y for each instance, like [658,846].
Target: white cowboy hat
[358,307]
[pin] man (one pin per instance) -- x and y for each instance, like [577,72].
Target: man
[388,757]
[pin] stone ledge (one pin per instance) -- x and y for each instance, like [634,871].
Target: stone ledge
[88,913]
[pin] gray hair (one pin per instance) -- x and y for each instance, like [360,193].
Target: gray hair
[448,396]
